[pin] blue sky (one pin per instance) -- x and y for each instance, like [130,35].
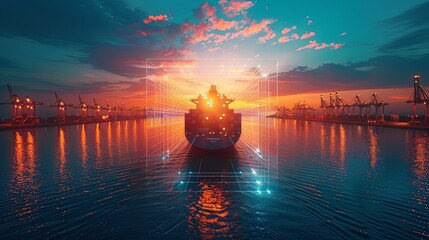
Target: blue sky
[99,47]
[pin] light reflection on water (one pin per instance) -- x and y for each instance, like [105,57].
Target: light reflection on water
[335,181]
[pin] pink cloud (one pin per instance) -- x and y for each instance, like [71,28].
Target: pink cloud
[321,46]
[220,38]
[270,35]
[209,11]
[310,45]
[317,46]
[200,32]
[188,27]
[143,33]
[169,53]
[187,52]
[307,35]
[295,36]
[234,7]
[252,29]
[222,2]
[215,49]
[287,30]
[220,24]
[159,18]
[336,45]
[284,39]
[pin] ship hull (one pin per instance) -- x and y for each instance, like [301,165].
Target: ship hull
[212,142]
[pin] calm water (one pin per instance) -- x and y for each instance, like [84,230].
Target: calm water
[129,179]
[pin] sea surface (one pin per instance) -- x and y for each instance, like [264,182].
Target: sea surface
[141,179]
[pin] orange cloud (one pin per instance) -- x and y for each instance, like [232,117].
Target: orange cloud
[220,24]
[284,39]
[210,11]
[235,7]
[159,18]
[270,35]
[252,29]
[220,38]
[213,49]
[316,46]
[312,44]
[169,53]
[287,30]
[187,52]
[336,45]
[307,35]
[321,46]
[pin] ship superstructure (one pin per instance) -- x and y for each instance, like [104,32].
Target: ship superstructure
[212,124]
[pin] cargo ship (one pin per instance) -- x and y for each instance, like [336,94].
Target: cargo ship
[212,124]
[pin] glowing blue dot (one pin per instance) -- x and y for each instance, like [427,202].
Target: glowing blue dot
[268,191]
[181,182]
[190,172]
[259,191]
[253,171]
[240,172]
[179,172]
[163,158]
[258,182]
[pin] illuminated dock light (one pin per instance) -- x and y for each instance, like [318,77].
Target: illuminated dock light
[268,191]
[259,191]
[253,171]
[258,182]
[179,172]
[181,182]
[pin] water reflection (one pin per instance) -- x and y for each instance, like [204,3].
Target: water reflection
[83,146]
[109,140]
[208,215]
[97,145]
[23,187]
[322,140]
[421,146]
[373,147]
[342,143]
[62,153]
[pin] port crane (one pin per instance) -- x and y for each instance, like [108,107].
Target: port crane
[61,108]
[377,102]
[24,109]
[83,108]
[97,107]
[357,102]
[16,101]
[419,96]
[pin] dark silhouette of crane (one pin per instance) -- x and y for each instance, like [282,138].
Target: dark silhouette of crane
[61,108]
[83,109]
[97,107]
[376,102]
[16,101]
[24,109]
[419,96]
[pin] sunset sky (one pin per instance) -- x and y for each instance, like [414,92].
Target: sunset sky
[99,48]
